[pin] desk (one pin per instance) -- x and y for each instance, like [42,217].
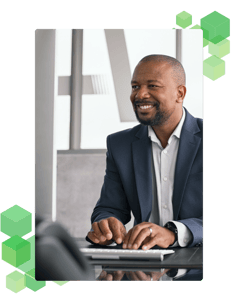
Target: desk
[190,259]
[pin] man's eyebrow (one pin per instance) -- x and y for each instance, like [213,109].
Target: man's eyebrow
[149,81]
[154,81]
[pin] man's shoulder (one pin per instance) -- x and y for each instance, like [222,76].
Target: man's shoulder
[192,123]
[200,123]
[127,133]
[121,141]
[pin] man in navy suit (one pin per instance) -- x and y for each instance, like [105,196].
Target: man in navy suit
[154,170]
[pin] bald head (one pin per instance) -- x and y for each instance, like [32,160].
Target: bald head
[178,73]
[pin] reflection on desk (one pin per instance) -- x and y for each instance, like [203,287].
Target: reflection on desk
[162,275]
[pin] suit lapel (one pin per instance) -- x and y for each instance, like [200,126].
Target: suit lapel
[188,147]
[141,151]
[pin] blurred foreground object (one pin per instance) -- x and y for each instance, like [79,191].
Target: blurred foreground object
[57,255]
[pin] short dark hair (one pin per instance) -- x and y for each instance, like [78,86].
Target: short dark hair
[178,72]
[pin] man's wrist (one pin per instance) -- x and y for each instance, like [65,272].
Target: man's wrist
[172,227]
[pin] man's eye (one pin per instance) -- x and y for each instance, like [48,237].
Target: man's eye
[134,87]
[152,85]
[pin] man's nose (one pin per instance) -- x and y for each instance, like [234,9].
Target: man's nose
[142,93]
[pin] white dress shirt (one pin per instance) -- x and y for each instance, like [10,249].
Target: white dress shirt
[163,166]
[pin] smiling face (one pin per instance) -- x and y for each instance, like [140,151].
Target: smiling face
[155,94]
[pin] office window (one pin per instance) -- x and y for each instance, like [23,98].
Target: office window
[106,105]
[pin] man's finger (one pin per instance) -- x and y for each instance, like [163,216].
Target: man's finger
[148,245]
[98,232]
[143,234]
[147,239]
[93,237]
[126,239]
[104,227]
[135,233]
[123,231]
[115,226]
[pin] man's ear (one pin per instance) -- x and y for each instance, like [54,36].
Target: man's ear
[181,93]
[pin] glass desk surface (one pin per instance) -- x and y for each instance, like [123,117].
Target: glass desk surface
[184,265]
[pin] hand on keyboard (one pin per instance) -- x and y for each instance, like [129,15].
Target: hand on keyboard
[107,230]
[141,236]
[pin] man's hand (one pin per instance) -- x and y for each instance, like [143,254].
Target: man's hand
[140,235]
[107,230]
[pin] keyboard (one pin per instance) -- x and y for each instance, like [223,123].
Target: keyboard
[98,253]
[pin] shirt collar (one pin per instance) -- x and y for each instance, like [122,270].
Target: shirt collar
[176,132]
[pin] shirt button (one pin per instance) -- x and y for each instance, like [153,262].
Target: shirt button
[165,151]
[165,178]
[165,206]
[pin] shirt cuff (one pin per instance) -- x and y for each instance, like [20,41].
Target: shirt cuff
[184,234]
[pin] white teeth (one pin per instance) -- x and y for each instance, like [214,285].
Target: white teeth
[145,106]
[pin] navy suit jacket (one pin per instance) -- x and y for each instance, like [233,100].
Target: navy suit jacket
[128,181]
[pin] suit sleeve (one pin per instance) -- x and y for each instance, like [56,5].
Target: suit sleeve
[113,201]
[195,225]
[192,202]
[191,212]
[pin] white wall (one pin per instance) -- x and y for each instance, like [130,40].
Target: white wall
[192,61]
